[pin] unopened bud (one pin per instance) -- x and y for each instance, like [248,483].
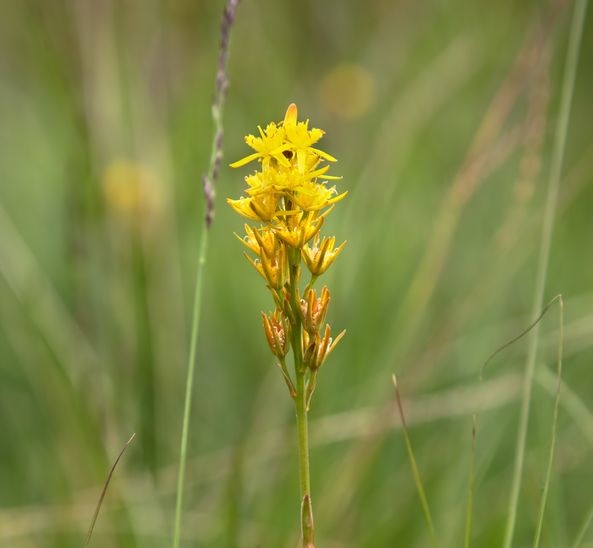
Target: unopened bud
[276,330]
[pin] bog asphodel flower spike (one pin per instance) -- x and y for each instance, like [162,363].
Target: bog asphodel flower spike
[290,197]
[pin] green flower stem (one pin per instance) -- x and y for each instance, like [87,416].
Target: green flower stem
[290,385]
[310,284]
[303,436]
[300,370]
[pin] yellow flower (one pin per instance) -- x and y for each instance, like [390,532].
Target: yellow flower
[131,192]
[282,141]
[258,208]
[291,182]
[259,240]
[312,196]
[301,138]
[273,269]
[319,257]
[270,144]
[296,233]
[269,180]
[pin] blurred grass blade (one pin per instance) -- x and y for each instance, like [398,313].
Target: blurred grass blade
[570,69]
[584,528]
[519,336]
[413,464]
[471,486]
[527,330]
[572,403]
[548,478]
[104,491]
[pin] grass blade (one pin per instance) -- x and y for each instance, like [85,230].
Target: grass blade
[526,331]
[560,134]
[548,478]
[471,487]
[413,464]
[583,530]
[104,491]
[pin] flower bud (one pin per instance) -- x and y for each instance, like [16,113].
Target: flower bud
[322,348]
[276,330]
[313,310]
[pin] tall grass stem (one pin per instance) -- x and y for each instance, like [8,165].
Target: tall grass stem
[189,384]
[414,465]
[471,487]
[209,180]
[583,530]
[549,467]
[576,31]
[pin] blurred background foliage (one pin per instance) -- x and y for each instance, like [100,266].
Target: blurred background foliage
[442,115]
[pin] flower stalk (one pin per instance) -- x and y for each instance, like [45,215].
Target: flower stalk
[290,198]
[301,408]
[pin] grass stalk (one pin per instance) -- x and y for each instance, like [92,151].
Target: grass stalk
[104,490]
[471,487]
[209,184]
[548,477]
[414,465]
[189,384]
[583,530]
[559,146]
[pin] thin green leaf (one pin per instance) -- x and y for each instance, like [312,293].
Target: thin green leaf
[471,486]
[583,530]
[104,491]
[542,507]
[413,464]
[570,70]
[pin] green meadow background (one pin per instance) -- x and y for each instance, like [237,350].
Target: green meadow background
[443,117]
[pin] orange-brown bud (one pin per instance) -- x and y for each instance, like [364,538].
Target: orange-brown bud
[319,348]
[276,329]
[313,310]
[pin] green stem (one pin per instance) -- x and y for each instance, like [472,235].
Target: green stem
[305,483]
[470,488]
[307,528]
[583,530]
[570,70]
[542,508]
[290,385]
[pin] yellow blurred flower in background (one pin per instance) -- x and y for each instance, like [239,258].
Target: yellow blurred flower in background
[131,192]
[348,91]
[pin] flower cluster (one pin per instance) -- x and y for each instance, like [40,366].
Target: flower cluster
[290,197]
